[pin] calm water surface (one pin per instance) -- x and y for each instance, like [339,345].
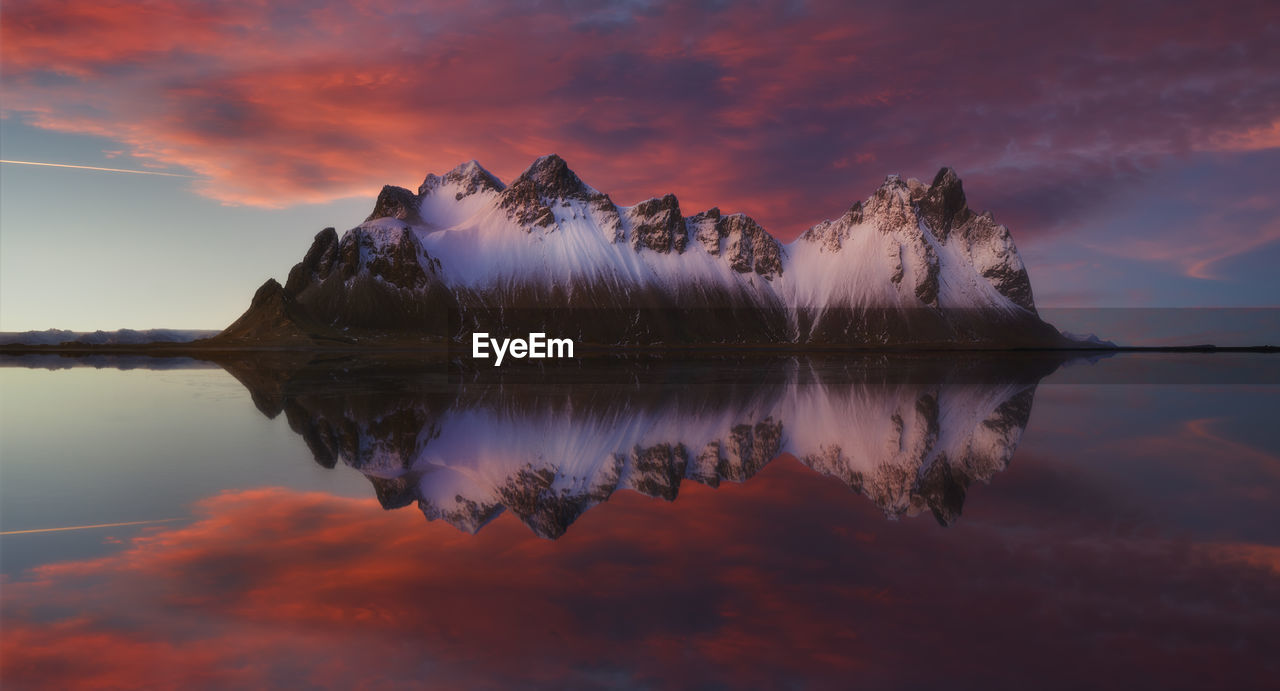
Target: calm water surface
[906,522]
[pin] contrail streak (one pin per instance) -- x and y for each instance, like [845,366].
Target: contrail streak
[107,170]
[86,527]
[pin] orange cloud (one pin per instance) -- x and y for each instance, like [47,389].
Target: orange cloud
[784,111]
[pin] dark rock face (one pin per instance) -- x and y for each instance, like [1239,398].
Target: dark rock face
[943,491]
[357,284]
[927,282]
[705,228]
[398,203]
[317,263]
[656,224]
[531,495]
[548,183]
[392,493]
[385,446]
[943,208]
[942,205]
[748,449]
[657,470]
[524,205]
[748,247]
[272,316]
[553,179]
[1010,279]
[399,264]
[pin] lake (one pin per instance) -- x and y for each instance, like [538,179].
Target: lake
[1008,520]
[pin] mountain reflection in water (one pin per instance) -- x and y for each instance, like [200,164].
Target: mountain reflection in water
[908,433]
[1131,544]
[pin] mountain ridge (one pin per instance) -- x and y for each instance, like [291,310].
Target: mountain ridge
[911,265]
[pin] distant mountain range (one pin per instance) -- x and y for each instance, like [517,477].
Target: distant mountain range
[119,337]
[911,265]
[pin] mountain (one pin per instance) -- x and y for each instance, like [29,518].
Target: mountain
[911,434]
[909,265]
[118,337]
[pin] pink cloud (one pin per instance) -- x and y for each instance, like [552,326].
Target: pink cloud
[786,112]
[1197,245]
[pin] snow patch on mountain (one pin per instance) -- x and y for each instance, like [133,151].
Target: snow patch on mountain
[550,228]
[911,264]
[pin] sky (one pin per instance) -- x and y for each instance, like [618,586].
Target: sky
[1131,147]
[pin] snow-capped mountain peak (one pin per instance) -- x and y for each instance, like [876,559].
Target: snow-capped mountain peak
[398,203]
[549,183]
[657,224]
[470,177]
[909,264]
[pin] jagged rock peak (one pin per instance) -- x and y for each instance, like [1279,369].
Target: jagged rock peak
[899,204]
[656,224]
[553,179]
[550,182]
[524,205]
[942,204]
[472,170]
[891,206]
[892,183]
[545,244]
[947,181]
[703,227]
[470,176]
[893,193]
[750,247]
[317,264]
[474,177]
[267,292]
[746,245]
[396,202]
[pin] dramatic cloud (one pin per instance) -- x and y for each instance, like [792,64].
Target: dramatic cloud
[1200,242]
[785,110]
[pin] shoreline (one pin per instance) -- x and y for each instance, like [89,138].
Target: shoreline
[196,350]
